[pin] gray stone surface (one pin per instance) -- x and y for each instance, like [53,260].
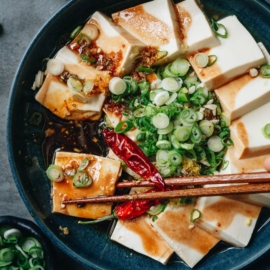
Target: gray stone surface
[21,19]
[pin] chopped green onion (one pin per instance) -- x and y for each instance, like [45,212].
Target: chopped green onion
[76,31]
[201,59]
[188,117]
[83,40]
[88,59]
[88,86]
[196,134]
[165,130]
[167,72]
[150,110]
[147,70]
[55,66]
[164,144]
[195,214]
[82,179]
[144,87]
[161,98]
[74,84]
[161,54]
[175,142]
[170,84]
[207,127]
[186,200]
[162,157]
[175,158]
[55,173]
[161,120]
[117,86]
[265,71]
[139,112]
[6,255]
[141,137]
[266,131]
[219,29]
[84,163]
[211,60]
[157,209]
[180,67]
[215,144]
[182,133]
[123,127]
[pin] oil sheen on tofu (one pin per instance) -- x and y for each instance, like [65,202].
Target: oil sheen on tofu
[104,172]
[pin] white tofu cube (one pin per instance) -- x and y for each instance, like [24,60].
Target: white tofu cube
[196,32]
[248,165]
[154,23]
[229,220]
[235,56]
[140,236]
[189,242]
[243,95]
[246,132]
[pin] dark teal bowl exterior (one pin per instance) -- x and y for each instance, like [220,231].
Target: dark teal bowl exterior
[29,228]
[90,245]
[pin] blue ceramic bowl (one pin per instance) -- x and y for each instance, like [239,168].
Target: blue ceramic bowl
[90,245]
[29,228]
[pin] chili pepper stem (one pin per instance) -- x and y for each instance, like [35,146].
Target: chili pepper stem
[97,220]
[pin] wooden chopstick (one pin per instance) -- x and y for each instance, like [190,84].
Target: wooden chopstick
[203,180]
[249,188]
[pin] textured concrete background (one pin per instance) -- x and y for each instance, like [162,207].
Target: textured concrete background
[21,19]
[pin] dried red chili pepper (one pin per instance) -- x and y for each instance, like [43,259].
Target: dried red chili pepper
[133,156]
[129,210]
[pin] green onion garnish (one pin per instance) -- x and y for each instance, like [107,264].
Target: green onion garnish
[266,131]
[265,71]
[195,215]
[146,70]
[76,31]
[82,179]
[219,29]
[123,127]
[55,173]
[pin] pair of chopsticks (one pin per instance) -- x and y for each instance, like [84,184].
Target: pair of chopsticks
[250,183]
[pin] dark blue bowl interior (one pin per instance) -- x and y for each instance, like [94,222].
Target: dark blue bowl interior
[90,244]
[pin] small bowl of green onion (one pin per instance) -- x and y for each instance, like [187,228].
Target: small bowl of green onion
[24,246]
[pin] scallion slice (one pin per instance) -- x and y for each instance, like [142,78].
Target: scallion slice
[123,127]
[265,71]
[201,59]
[161,120]
[207,127]
[182,133]
[215,144]
[76,31]
[175,158]
[195,214]
[196,134]
[211,60]
[219,29]
[55,173]
[84,163]
[161,98]
[170,84]
[82,179]
[146,70]
[117,86]
[188,117]
[55,66]
[266,131]
[164,144]
[180,67]
[165,130]
[162,157]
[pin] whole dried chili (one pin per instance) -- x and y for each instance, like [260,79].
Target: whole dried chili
[129,210]
[133,156]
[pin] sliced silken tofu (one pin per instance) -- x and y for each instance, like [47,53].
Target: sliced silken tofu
[246,165]
[235,56]
[67,103]
[246,132]
[190,242]
[156,24]
[104,172]
[114,48]
[114,114]
[229,220]
[243,95]
[196,32]
[138,235]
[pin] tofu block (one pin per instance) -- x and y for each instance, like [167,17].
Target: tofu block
[190,242]
[196,32]
[115,50]
[243,95]
[248,165]
[246,132]
[104,172]
[235,56]
[114,116]
[156,24]
[140,236]
[66,103]
[229,220]
[116,41]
